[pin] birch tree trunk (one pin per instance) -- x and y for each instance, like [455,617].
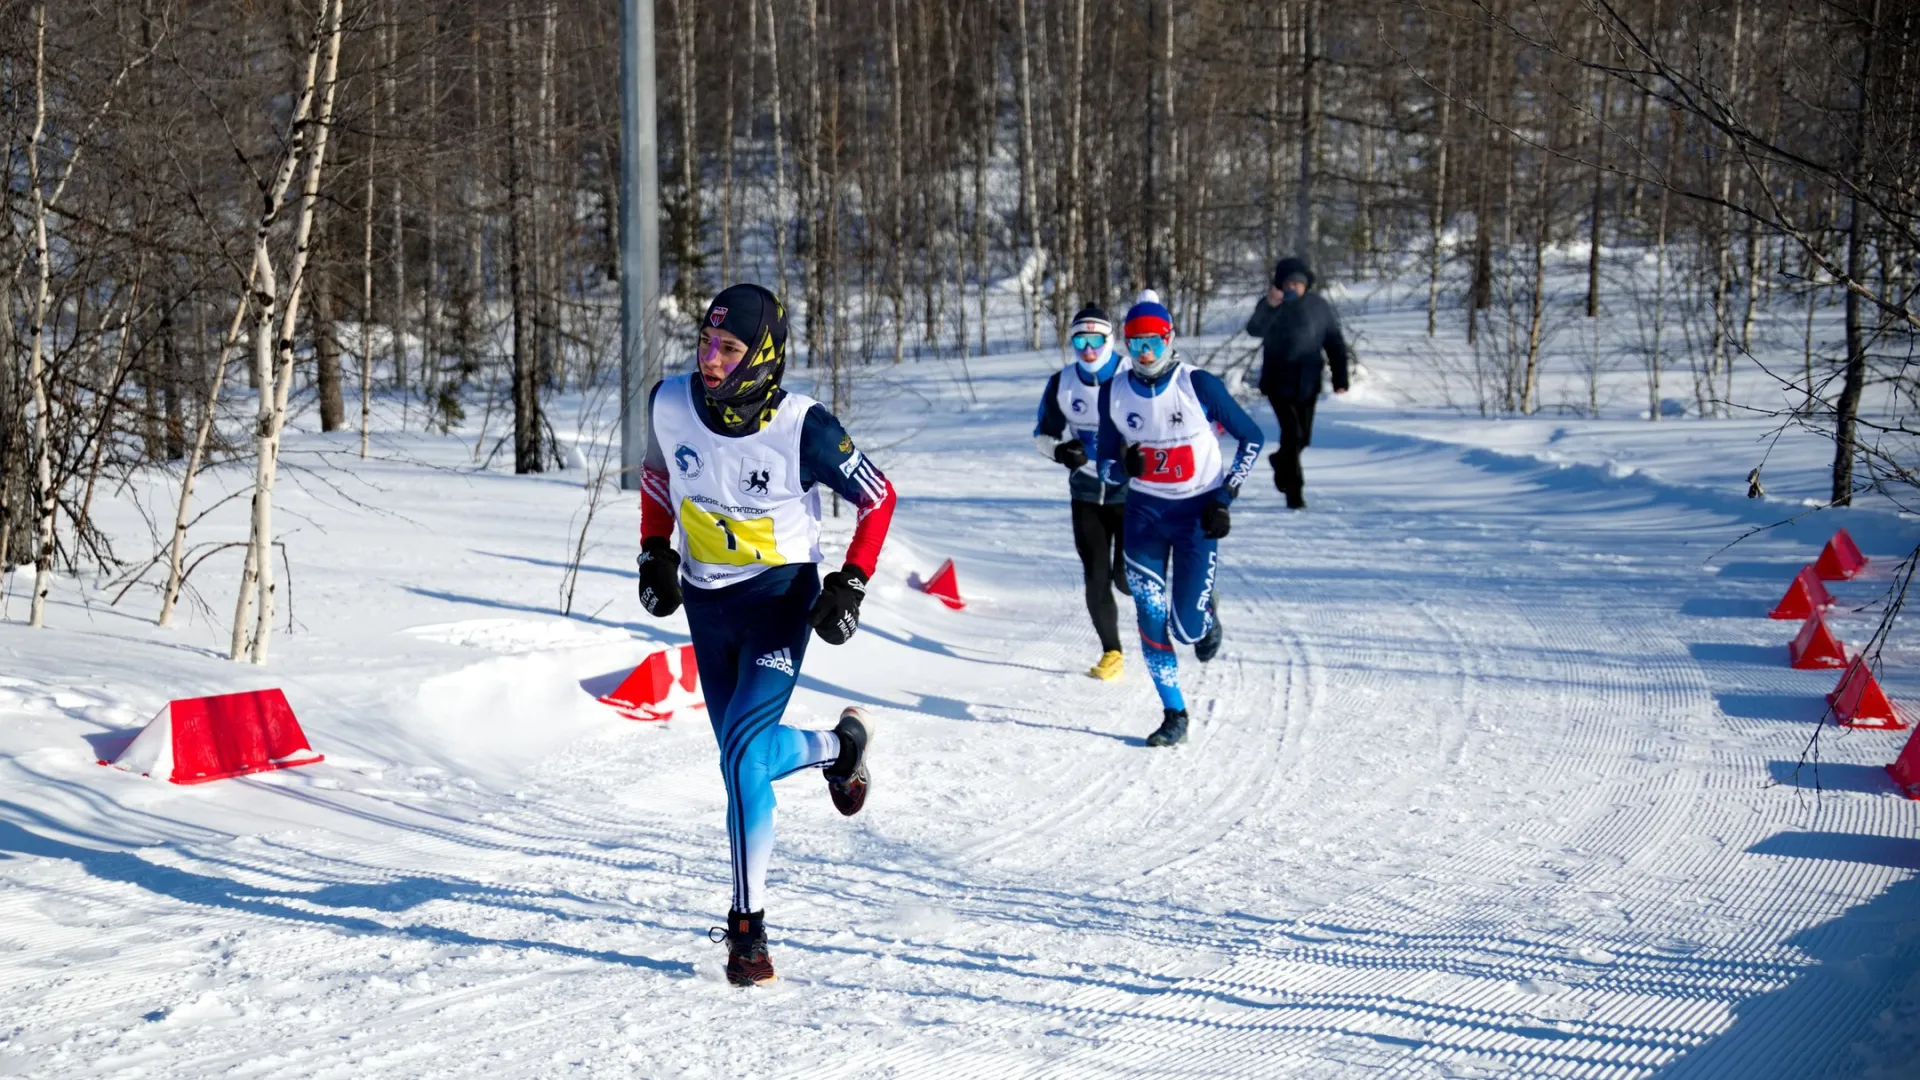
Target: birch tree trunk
[897,210]
[1306,228]
[1034,268]
[44,501]
[1437,207]
[366,267]
[1721,356]
[1656,361]
[1847,409]
[777,216]
[275,385]
[1068,280]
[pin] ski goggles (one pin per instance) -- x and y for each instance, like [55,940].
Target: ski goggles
[1141,346]
[1083,342]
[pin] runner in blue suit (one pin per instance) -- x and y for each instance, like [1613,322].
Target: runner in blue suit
[1157,434]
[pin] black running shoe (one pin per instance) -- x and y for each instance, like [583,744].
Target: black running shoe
[1208,646]
[847,777]
[746,936]
[1172,730]
[1296,501]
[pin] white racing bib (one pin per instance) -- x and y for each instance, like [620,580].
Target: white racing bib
[739,501]
[1080,403]
[1182,452]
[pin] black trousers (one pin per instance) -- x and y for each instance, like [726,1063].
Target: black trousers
[1097,535]
[1296,434]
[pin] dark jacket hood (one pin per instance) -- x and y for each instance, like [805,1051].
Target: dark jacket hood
[1289,266]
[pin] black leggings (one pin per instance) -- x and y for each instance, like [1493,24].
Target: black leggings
[1296,434]
[1097,532]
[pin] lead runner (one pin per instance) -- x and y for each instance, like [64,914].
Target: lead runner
[735,461]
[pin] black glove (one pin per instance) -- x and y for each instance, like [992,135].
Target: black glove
[1215,521]
[836,614]
[1071,454]
[659,577]
[1134,461]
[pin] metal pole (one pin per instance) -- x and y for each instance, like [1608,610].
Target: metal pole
[639,234]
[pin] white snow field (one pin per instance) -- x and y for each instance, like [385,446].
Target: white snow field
[1495,777]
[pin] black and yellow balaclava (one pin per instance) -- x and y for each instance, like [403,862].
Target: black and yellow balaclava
[754,315]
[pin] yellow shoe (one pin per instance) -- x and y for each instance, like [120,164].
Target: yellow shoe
[1108,669]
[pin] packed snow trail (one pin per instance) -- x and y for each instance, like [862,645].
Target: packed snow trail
[1479,786]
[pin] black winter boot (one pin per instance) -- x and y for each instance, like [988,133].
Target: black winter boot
[746,938]
[1172,729]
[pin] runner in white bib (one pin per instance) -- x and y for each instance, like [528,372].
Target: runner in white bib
[730,522]
[1157,431]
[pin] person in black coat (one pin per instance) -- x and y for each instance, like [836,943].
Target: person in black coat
[1295,327]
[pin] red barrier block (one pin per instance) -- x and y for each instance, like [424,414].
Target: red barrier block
[195,740]
[945,584]
[1815,647]
[654,690]
[1905,769]
[1805,596]
[1859,702]
[1840,559]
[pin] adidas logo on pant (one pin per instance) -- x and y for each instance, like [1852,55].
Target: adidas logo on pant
[781,661]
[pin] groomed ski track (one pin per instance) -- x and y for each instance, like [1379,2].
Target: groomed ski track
[1481,785]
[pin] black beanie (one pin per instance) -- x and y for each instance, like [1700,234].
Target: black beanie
[745,311]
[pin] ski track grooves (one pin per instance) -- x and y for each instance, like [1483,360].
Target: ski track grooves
[1362,863]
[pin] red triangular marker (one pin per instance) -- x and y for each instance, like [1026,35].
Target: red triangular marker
[1906,768]
[1805,596]
[653,691]
[1840,559]
[1815,646]
[945,584]
[1860,703]
[195,740]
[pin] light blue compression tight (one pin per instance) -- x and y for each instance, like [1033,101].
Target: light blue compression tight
[749,640]
[1170,568]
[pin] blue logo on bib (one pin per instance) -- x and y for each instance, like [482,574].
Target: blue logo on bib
[1133,420]
[1079,406]
[688,461]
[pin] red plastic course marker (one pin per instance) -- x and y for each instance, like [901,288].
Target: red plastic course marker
[653,691]
[1906,768]
[1815,647]
[1860,703]
[1840,559]
[195,740]
[1805,596]
[945,584]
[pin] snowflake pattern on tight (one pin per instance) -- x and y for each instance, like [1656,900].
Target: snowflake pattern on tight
[1150,605]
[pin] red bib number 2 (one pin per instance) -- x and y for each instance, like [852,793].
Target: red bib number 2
[1167,464]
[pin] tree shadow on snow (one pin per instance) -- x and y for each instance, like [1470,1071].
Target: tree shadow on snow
[648,631]
[1803,1028]
[1718,607]
[1796,708]
[1728,652]
[1832,776]
[398,895]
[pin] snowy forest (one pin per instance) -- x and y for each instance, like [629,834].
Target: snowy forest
[220,215]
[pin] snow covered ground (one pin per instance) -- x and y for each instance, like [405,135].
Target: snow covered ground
[1495,777]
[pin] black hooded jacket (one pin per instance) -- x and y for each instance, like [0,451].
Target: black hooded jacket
[1293,336]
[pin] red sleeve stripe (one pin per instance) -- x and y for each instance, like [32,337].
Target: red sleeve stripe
[870,531]
[656,513]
